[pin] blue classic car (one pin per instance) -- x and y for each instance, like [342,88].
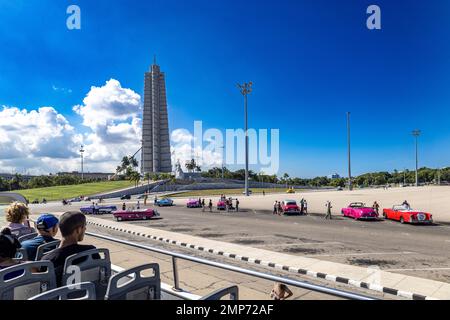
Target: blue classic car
[164,202]
[98,209]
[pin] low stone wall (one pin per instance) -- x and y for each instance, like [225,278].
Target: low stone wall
[131,191]
[8,197]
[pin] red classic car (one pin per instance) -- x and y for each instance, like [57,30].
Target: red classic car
[290,207]
[405,214]
[140,214]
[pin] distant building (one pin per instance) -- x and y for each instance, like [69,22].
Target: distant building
[10,176]
[88,175]
[156,157]
[334,176]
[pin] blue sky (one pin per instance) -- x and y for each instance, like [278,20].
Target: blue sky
[310,62]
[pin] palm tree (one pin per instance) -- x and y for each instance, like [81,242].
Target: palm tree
[286,177]
[191,165]
[135,177]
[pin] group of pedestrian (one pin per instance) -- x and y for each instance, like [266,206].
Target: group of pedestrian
[277,208]
[229,203]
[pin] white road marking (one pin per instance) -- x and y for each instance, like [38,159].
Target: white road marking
[250,236]
[362,254]
[417,269]
[300,244]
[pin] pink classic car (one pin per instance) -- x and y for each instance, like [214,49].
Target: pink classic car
[359,211]
[221,205]
[193,203]
[139,214]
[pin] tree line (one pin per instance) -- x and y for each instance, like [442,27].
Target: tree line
[18,182]
[425,176]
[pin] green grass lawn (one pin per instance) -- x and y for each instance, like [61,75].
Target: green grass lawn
[216,192]
[67,192]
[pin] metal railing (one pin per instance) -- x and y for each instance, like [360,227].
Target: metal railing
[175,256]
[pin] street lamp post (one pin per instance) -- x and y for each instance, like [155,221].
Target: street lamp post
[82,162]
[350,187]
[223,149]
[245,89]
[416,134]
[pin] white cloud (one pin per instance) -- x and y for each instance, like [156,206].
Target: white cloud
[111,112]
[43,141]
[63,90]
[105,105]
[27,137]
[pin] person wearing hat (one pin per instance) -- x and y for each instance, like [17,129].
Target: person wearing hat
[47,225]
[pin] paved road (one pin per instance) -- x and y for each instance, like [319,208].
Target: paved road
[201,279]
[421,251]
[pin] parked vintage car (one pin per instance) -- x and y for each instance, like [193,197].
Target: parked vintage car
[165,202]
[405,214]
[290,207]
[139,214]
[290,190]
[98,209]
[221,205]
[193,203]
[359,211]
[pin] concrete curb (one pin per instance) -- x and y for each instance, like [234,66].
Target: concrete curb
[319,275]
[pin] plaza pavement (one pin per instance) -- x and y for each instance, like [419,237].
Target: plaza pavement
[433,199]
[381,281]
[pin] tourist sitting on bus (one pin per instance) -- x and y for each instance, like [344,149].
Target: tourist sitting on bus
[47,225]
[73,227]
[17,215]
[8,249]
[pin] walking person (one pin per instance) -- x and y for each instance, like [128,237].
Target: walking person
[305,206]
[124,207]
[264,193]
[328,205]
[376,208]
[275,207]
[210,205]
[302,205]
[280,208]
[237,205]
[138,205]
[203,205]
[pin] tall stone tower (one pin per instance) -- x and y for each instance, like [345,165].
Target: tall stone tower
[155,124]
